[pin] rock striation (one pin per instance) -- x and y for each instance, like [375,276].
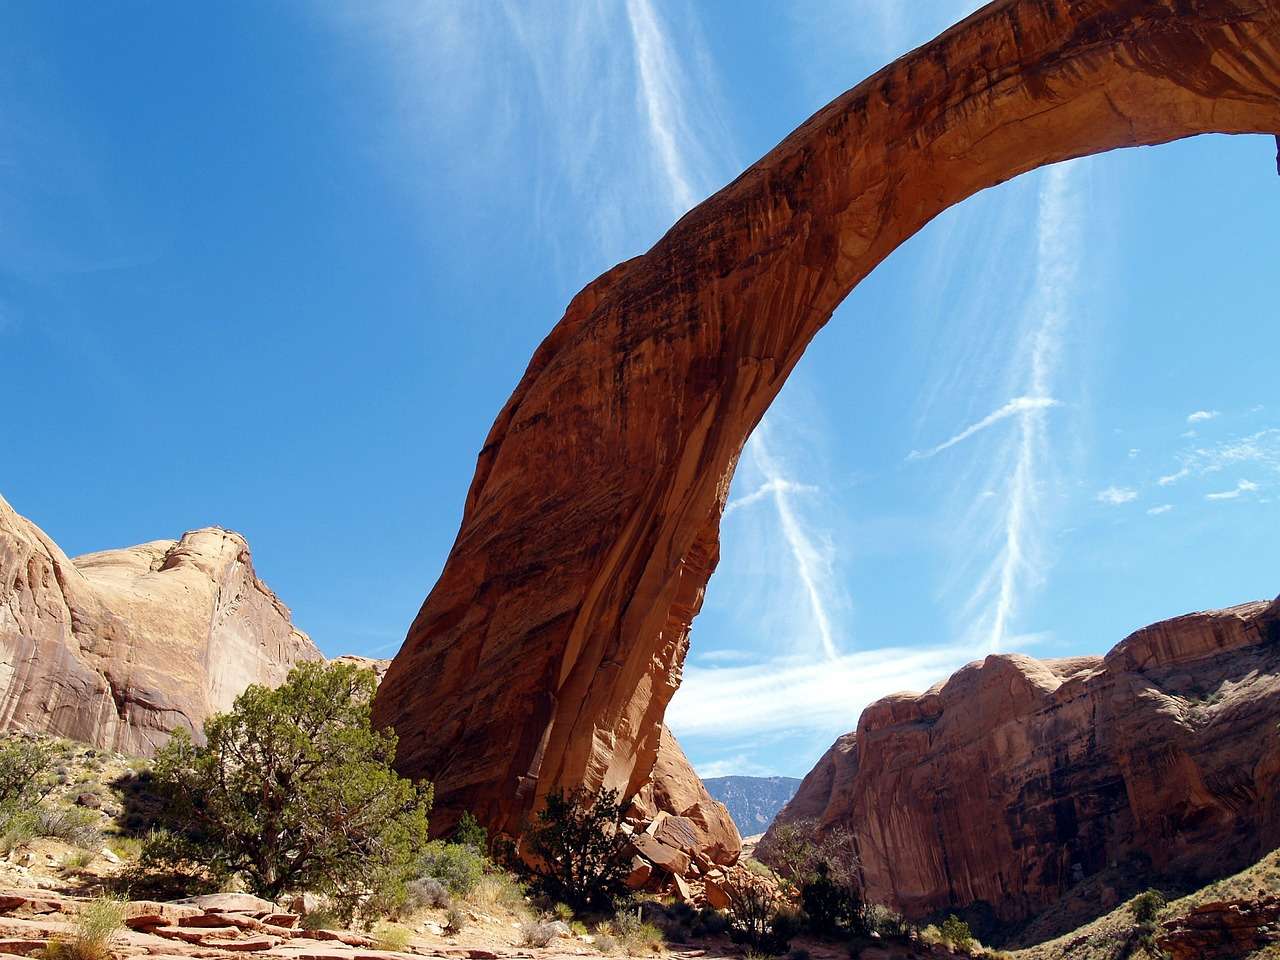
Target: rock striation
[548,650]
[119,648]
[1017,779]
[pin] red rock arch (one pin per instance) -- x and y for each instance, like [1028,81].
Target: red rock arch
[548,650]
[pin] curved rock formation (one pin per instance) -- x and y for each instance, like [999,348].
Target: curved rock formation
[554,638]
[1017,779]
[119,648]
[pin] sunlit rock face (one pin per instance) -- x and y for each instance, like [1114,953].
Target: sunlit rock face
[1018,778]
[548,650]
[119,648]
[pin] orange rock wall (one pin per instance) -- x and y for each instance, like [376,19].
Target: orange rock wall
[549,648]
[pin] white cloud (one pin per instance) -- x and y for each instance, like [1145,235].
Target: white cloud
[1200,416]
[800,693]
[1243,487]
[1173,478]
[813,565]
[1162,509]
[739,765]
[1011,409]
[776,485]
[1117,495]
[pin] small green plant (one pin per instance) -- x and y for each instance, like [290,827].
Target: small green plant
[582,850]
[126,848]
[96,926]
[76,826]
[455,920]
[24,775]
[1147,905]
[322,919]
[77,860]
[391,937]
[469,833]
[459,866]
[579,929]
[956,933]
[562,911]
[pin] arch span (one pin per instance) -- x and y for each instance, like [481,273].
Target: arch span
[548,650]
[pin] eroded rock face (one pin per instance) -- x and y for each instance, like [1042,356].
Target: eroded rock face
[1016,778]
[121,647]
[548,650]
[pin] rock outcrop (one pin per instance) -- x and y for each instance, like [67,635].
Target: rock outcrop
[1016,779]
[121,647]
[548,650]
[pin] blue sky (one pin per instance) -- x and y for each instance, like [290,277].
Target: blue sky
[277,269]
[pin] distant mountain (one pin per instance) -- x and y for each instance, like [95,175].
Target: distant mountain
[753,802]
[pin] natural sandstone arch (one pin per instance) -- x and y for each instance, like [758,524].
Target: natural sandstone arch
[548,650]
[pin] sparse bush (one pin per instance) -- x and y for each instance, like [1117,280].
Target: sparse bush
[392,937]
[76,826]
[77,860]
[296,791]
[322,919]
[458,866]
[24,782]
[579,929]
[956,933]
[455,920]
[879,919]
[499,891]
[537,933]
[791,849]
[634,935]
[754,917]
[469,833]
[163,870]
[126,848]
[96,926]
[1147,905]
[604,942]
[426,892]
[582,851]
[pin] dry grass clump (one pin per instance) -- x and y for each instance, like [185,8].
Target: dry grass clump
[538,933]
[499,892]
[97,924]
[391,937]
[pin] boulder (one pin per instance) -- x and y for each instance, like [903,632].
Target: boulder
[1166,750]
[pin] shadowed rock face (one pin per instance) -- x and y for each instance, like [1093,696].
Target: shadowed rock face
[548,650]
[120,648]
[1017,778]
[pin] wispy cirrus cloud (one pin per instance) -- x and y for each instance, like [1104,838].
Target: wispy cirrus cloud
[1115,496]
[1160,510]
[1013,408]
[1241,488]
[1201,416]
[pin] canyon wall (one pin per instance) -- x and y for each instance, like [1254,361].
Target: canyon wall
[1016,779]
[121,647]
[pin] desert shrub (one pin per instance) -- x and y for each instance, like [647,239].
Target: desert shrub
[538,933]
[458,866]
[879,919]
[295,791]
[426,892]
[323,919]
[164,870]
[579,929]
[469,833]
[499,891]
[390,936]
[754,915]
[77,860]
[1147,905]
[455,920]
[76,826]
[605,942]
[956,933]
[20,829]
[634,935]
[791,849]
[831,906]
[96,925]
[582,852]
[24,775]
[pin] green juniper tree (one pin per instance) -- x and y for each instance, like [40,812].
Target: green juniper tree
[295,791]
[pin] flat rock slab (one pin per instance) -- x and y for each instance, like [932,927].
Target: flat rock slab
[231,903]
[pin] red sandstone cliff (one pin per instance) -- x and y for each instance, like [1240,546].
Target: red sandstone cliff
[1017,778]
[119,648]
